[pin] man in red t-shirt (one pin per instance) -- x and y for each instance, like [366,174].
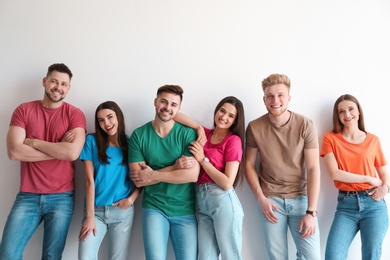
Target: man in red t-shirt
[46,136]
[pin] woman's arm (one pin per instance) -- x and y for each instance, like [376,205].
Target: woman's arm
[225,180]
[185,120]
[381,191]
[89,223]
[344,176]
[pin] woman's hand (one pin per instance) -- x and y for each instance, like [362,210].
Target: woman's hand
[196,149]
[124,203]
[201,135]
[88,226]
[184,162]
[375,181]
[379,192]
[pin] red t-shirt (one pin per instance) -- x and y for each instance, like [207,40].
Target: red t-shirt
[50,176]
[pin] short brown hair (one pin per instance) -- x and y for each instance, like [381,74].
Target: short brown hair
[60,67]
[174,89]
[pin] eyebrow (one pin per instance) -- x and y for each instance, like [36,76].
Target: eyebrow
[110,114]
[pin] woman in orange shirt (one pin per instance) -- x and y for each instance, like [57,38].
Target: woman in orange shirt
[355,161]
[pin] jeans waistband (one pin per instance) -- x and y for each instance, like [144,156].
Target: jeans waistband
[356,192]
[204,186]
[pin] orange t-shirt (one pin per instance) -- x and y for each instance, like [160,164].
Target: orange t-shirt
[360,158]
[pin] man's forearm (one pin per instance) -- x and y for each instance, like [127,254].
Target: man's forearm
[60,150]
[26,153]
[313,189]
[178,176]
[254,183]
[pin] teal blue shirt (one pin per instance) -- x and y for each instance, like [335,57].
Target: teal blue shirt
[112,181]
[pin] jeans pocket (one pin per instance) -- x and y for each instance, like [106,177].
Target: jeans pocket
[217,191]
[378,201]
[341,198]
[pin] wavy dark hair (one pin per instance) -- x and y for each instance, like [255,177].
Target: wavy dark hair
[237,128]
[102,137]
[337,125]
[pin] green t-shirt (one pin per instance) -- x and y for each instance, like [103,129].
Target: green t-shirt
[146,145]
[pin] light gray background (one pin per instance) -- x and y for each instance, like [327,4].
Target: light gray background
[123,50]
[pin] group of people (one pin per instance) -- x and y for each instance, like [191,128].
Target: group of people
[188,174]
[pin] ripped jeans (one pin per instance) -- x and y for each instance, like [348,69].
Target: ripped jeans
[117,223]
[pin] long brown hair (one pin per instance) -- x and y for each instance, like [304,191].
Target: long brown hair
[337,125]
[102,137]
[237,128]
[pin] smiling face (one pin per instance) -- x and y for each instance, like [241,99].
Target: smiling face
[225,116]
[348,113]
[276,99]
[56,85]
[108,121]
[167,106]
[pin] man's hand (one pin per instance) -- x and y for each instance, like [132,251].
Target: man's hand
[29,142]
[144,175]
[307,227]
[69,136]
[267,207]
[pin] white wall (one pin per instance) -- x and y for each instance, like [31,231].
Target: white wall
[123,50]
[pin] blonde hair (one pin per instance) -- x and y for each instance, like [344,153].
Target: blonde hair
[274,79]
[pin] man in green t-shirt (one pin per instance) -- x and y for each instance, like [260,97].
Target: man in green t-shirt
[168,206]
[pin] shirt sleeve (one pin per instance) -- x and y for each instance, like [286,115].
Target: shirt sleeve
[87,152]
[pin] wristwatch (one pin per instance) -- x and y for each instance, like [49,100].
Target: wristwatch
[313,213]
[206,160]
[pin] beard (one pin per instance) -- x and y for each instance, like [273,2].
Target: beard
[53,100]
[277,112]
[165,118]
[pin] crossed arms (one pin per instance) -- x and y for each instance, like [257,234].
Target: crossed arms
[21,148]
[186,169]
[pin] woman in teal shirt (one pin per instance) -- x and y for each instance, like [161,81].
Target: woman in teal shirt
[109,195]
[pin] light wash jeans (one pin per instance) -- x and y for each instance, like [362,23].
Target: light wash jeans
[291,213]
[220,218]
[357,212]
[27,213]
[157,227]
[118,223]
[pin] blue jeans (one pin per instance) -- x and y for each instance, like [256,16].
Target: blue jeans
[220,218]
[119,223]
[291,213]
[27,213]
[156,227]
[357,212]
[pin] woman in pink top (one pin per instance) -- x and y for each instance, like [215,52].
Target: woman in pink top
[219,211]
[356,163]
